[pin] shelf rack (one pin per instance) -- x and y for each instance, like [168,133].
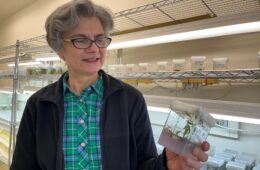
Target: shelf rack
[171,12]
[40,77]
[252,75]
[236,75]
[35,45]
[6,75]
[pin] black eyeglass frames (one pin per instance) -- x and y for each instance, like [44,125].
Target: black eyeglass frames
[83,43]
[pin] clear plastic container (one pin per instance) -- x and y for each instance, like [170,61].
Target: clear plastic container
[163,66]
[52,70]
[116,69]
[64,68]
[178,64]
[235,166]
[130,68]
[186,127]
[198,62]
[120,68]
[145,67]
[220,63]
[225,156]
[231,152]
[23,71]
[214,163]
[247,158]
[43,70]
[111,68]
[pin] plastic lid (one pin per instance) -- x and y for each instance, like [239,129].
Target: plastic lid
[195,110]
[236,165]
[162,62]
[206,117]
[198,58]
[143,64]
[189,108]
[215,162]
[178,61]
[222,59]
[130,65]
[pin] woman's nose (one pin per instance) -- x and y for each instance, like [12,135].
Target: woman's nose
[93,47]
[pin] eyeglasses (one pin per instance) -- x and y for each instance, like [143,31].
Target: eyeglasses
[84,43]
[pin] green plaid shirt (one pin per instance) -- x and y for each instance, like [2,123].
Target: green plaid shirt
[81,134]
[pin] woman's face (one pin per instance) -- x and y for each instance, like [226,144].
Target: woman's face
[84,61]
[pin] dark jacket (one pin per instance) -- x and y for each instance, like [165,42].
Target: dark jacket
[126,137]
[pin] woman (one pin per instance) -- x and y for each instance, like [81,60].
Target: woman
[88,119]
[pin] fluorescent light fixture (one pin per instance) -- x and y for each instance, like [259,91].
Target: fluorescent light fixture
[236,118]
[54,58]
[8,92]
[28,92]
[24,92]
[190,35]
[25,64]
[216,116]
[158,109]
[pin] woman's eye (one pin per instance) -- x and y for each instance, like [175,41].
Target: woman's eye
[82,41]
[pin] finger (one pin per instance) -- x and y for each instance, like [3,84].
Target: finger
[205,146]
[200,154]
[170,155]
[191,163]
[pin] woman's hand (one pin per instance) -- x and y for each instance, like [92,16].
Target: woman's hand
[178,162]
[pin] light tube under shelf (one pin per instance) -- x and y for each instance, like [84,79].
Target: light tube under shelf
[236,118]
[24,92]
[8,92]
[158,109]
[55,58]
[26,64]
[28,92]
[215,115]
[190,35]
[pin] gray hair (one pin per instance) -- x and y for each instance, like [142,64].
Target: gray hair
[66,17]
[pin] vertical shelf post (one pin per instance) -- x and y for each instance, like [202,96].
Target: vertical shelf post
[12,138]
[120,56]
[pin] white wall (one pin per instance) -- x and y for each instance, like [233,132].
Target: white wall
[247,142]
[241,50]
[27,23]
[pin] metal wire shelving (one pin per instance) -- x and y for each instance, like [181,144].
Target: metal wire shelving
[169,12]
[35,45]
[239,75]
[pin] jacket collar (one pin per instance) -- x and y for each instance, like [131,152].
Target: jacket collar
[111,84]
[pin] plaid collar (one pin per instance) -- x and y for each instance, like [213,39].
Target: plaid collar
[97,86]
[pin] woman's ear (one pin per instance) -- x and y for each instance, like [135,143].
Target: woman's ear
[61,56]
